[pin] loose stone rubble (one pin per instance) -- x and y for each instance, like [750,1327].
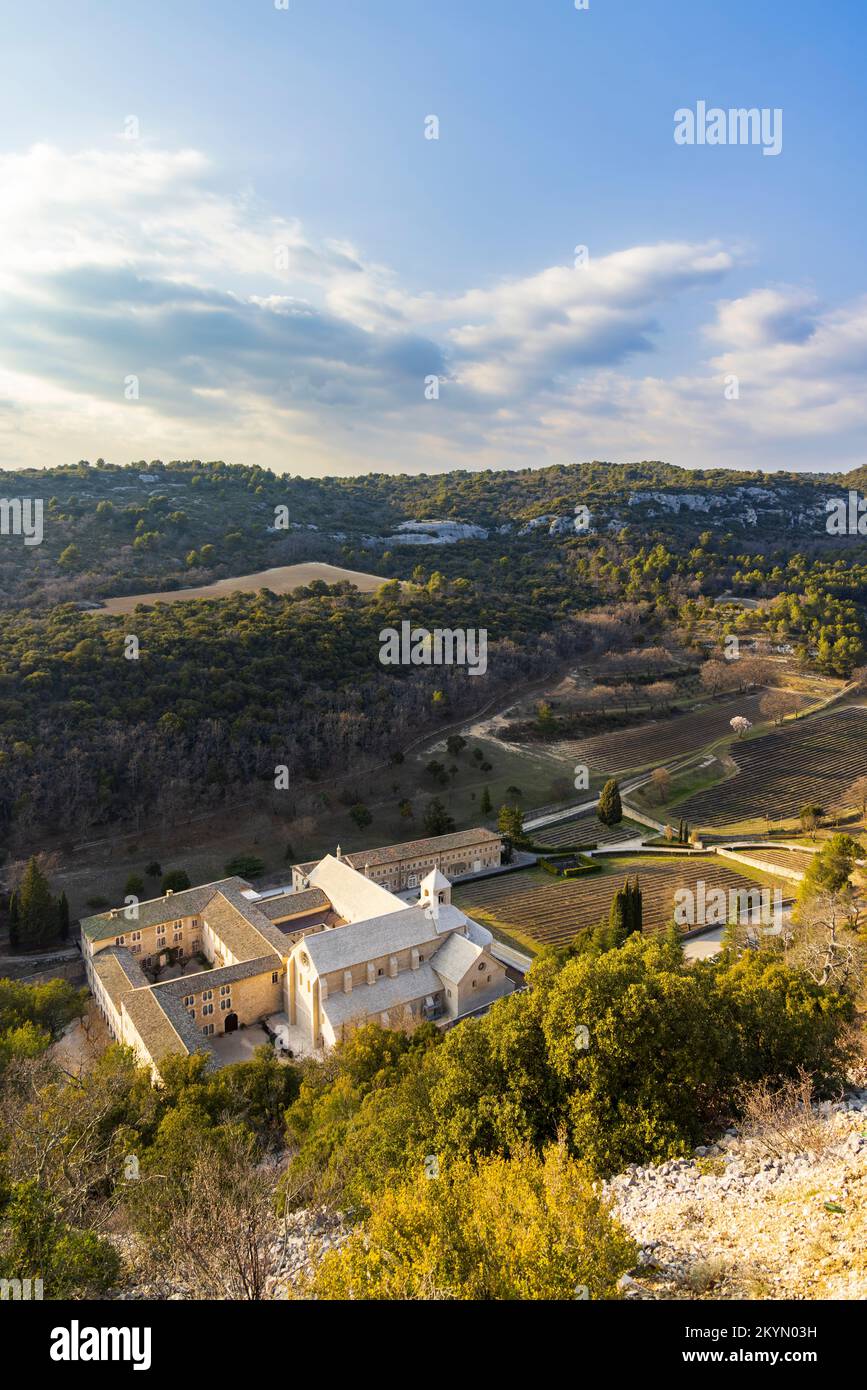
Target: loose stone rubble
[732,1222]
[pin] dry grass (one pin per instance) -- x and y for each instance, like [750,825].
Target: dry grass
[779,1118]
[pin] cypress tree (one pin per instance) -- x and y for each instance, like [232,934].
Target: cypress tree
[610,809]
[617,918]
[630,908]
[37,910]
[14,923]
[637,907]
[63,917]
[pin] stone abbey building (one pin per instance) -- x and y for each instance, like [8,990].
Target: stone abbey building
[337,950]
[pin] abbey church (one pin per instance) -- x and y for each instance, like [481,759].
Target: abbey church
[366,937]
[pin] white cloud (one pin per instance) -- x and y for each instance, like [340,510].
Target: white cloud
[255,341]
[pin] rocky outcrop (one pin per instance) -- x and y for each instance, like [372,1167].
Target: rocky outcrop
[734,1222]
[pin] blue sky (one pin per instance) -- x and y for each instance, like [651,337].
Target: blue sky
[158,259]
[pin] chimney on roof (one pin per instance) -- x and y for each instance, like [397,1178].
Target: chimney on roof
[337,854]
[367,871]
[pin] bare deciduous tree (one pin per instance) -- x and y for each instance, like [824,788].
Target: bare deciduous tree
[217,1243]
[660,780]
[824,940]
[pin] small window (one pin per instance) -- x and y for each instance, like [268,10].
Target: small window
[225,989]
[207,994]
[208,1030]
[207,1009]
[189,1000]
[274,977]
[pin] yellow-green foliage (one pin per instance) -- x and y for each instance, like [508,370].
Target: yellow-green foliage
[523,1228]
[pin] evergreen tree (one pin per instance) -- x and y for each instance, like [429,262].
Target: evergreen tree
[437,820]
[63,917]
[510,822]
[487,804]
[610,810]
[617,920]
[14,924]
[37,910]
[672,940]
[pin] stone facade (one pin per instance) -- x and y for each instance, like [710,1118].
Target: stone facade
[338,951]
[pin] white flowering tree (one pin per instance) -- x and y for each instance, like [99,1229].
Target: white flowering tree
[740,725]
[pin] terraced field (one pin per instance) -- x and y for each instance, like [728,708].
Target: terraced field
[551,910]
[587,830]
[774,857]
[665,738]
[817,760]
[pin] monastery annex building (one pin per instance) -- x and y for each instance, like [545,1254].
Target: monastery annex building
[337,950]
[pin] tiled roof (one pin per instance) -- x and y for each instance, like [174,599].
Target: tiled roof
[413,849]
[163,1028]
[293,904]
[351,894]
[266,934]
[387,993]
[119,972]
[188,903]
[371,939]
[455,957]
[197,980]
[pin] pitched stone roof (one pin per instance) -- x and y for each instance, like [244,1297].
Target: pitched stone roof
[268,934]
[351,894]
[293,904]
[359,942]
[386,993]
[197,980]
[119,972]
[455,957]
[413,849]
[188,903]
[434,882]
[163,1025]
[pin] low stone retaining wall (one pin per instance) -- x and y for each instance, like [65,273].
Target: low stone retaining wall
[754,861]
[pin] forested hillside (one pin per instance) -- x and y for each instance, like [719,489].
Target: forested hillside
[221,692]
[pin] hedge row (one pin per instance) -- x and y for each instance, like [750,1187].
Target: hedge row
[585,865]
